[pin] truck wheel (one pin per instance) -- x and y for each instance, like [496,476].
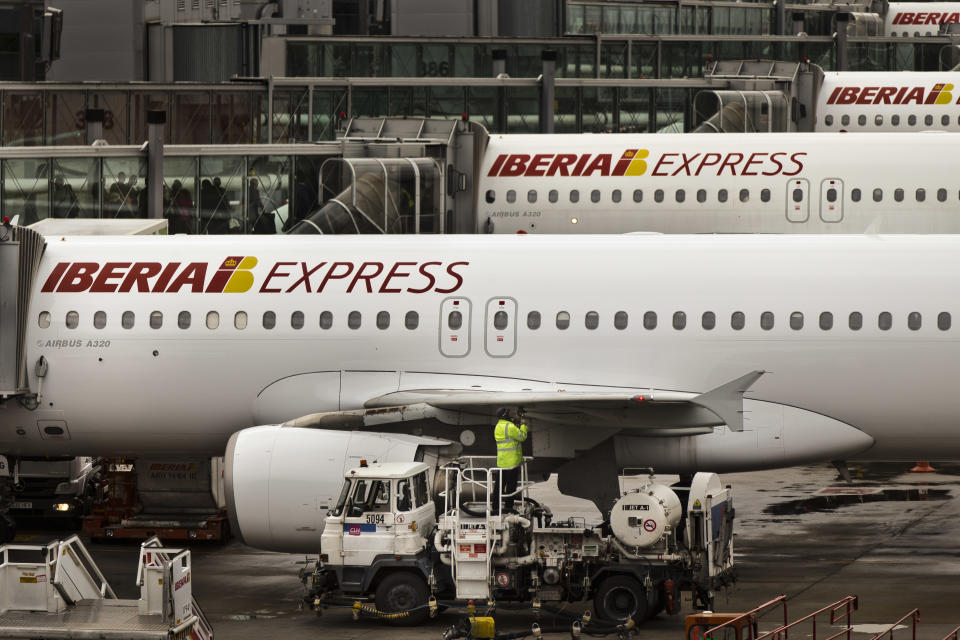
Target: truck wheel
[620,598]
[404,591]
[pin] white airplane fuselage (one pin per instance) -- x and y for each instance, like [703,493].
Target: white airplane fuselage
[130,391]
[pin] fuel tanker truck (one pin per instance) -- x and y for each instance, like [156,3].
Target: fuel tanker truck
[406,538]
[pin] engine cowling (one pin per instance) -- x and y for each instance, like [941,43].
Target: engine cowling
[281,481]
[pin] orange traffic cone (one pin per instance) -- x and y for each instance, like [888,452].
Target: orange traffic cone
[923,466]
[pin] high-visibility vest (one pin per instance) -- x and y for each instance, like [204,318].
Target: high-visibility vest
[509,437]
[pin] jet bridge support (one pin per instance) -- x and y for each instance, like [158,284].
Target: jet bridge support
[20,252]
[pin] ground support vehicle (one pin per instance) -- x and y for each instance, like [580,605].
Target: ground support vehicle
[389,540]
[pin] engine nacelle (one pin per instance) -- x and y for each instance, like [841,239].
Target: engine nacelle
[281,481]
[640,518]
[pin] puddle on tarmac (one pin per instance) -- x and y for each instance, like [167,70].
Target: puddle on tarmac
[816,504]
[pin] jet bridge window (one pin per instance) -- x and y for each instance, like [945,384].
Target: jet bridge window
[156,319]
[533,320]
[650,320]
[563,320]
[796,320]
[99,319]
[213,320]
[914,320]
[44,320]
[127,320]
[943,321]
[708,320]
[911,120]
[856,321]
[897,195]
[511,196]
[737,320]
[532,196]
[383,320]
[679,320]
[454,320]
[73,319]
[855,195]
[269,319]
[620,320]
[240,320]
[766,320]
[885,321]
[353,320]
[491,196]
[296,320]
[326,320]
[592,320]
[574,195]
[828,120]
[595,196]
[183,320]
[412,320]
[921,195]
[615,195]
[826,321]
[638,195]
[553,196]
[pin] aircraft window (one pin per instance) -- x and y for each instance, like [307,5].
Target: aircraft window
[411,320]
[615,195]
[326,320]
[679,320]
[914,320]
[533,320]
[127,320]
[592,320]
[921,195]
[897,195]
[491,196]
[878,120]
[708,320]
[574,195]
[100,319]
[500,320]
[563,320]
[722,195]
[737,320]
[744,195]
[183,319]
[831,195]
[798,195]
[269,319]
[828,120]
[862,120]
[855,195]
[856,321]
[383,320]
[511,196]
[845,120]
[354,318]
[455,320]
[765,195]
[945,120]
[44,319]
[941,195]
[240,320]
[826,321]
[638,195]
[911,120]
[928,120]
[943,321]
[595,195]
[73,319]
[895,120]
[884,320]
[766,320]
[532,196]
[620,320]
[701,195]
[650,320]
[296,320]
[681,195]
[658,195]
[156,319]
[796,320]
[213,320]
[553,196]
[877,195]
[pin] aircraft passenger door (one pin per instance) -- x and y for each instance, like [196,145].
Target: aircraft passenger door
[798,200]
[455,327]
[831,200]
[500,328]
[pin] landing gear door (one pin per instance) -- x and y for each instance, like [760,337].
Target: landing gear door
[831,200]
[798,200]
[500,328]
[455,327]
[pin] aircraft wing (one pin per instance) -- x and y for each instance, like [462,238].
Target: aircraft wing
[654,412]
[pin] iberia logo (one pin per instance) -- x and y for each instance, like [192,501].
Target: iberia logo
[233,276]
[941,93]
[511,165]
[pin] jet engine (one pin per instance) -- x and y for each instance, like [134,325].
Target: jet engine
[281,481]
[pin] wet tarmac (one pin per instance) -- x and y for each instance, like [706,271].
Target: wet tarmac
[889,537]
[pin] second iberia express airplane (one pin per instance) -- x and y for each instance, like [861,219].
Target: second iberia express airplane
[678,352]
[730,183]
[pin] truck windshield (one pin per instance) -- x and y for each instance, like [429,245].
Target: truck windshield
[342,500]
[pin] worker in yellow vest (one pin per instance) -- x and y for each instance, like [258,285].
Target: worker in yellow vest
[509,439]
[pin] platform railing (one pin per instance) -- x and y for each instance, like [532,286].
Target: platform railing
[953,635]
[913,616]
[840,611]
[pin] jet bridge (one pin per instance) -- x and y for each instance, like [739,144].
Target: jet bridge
[20,252]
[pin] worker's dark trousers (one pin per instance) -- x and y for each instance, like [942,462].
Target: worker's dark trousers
[510,479]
